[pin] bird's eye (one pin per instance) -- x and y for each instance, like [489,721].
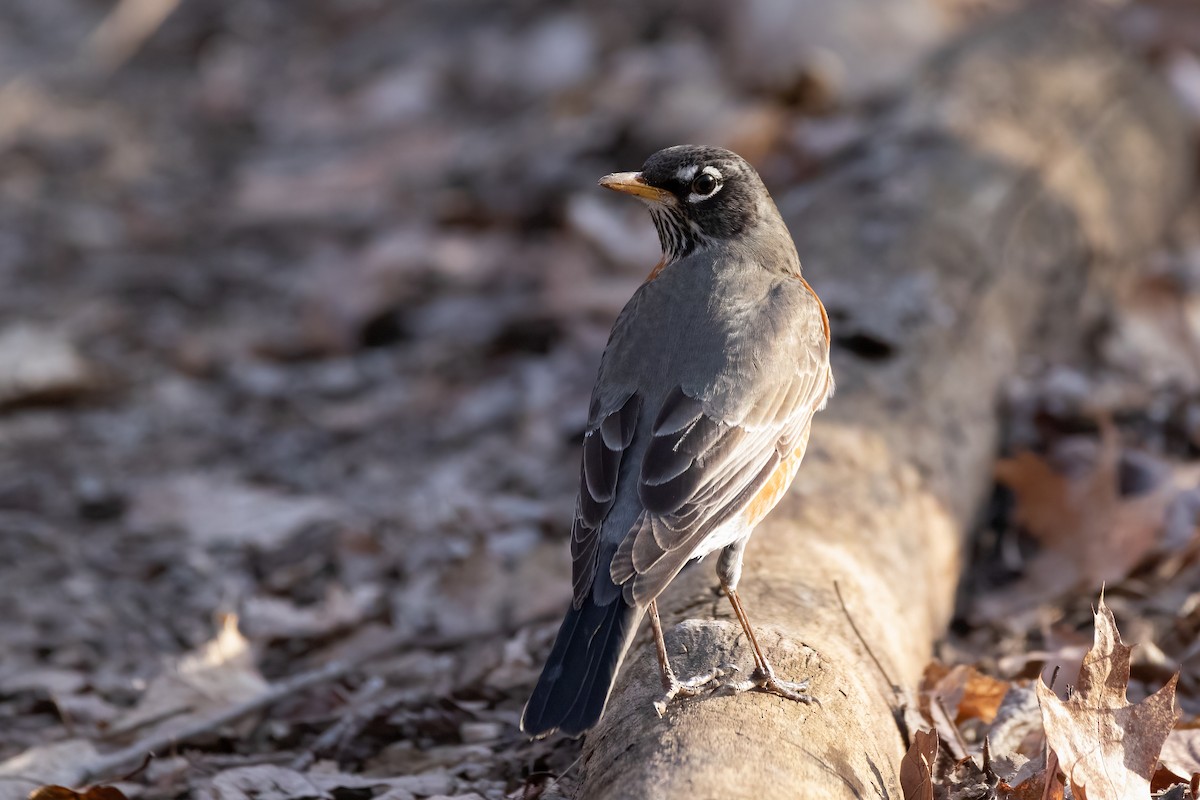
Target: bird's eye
[705,184]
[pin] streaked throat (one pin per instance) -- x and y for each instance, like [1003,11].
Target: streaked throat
[678,236]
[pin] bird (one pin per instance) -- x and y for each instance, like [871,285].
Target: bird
[697,423]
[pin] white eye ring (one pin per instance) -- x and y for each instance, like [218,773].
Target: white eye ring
[713,176]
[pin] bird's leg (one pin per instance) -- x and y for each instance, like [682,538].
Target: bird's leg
[672,686]
[669,680]
[764,675]
[729,571]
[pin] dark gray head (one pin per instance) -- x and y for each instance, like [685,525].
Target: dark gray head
[697,195]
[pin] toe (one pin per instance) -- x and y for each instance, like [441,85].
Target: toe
[797,692]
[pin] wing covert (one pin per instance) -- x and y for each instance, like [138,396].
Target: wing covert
[698,472]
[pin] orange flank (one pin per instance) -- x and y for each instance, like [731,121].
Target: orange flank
[820,305]
[779,482]
[775,487]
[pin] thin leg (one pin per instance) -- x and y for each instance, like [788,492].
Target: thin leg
[672,686]
[764,675]
[660,645]
[760,660]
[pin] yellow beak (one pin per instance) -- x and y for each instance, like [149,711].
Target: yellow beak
[633,183]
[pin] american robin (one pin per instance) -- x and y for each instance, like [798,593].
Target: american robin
[698,421]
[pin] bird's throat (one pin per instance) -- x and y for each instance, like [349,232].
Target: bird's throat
[675,234]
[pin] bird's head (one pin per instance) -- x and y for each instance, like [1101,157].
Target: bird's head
[697,195]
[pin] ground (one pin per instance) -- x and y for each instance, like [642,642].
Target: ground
[302,304]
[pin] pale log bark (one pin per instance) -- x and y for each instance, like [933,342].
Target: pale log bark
[1031,160]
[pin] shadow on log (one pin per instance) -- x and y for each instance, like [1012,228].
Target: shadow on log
[1031,161]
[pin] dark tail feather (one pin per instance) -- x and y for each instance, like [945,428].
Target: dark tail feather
[579,674]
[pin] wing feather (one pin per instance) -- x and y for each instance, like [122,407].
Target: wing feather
[698,472]
[604,446]
[678,412]
[646,550]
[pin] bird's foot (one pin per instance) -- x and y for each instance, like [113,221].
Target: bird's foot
[708,681]
[766,681]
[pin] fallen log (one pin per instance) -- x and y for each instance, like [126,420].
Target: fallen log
[1031,160]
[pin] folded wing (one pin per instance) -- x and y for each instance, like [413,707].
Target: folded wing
[699,472]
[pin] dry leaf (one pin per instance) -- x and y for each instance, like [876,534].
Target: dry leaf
[947,731]
[270,782]
[981,697]
[218,674]
[1090,531]
[1181,752]
[1016,732]
[266,617]
[1154,333]
[965,692]
[51,681]
[216,511]
[91,793]
[265,782]
[41,365]
[1085,518]
[916,768]
[1032,788]
[1106,747]
[1164,779]
[60,762]
[949,696]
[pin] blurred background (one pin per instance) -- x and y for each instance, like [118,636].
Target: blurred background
[300,306]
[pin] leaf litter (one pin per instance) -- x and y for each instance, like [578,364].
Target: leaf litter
[323,353]
[1089,528]
[1102,746]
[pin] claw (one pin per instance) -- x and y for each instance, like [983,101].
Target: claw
[692,686]
[765,680]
